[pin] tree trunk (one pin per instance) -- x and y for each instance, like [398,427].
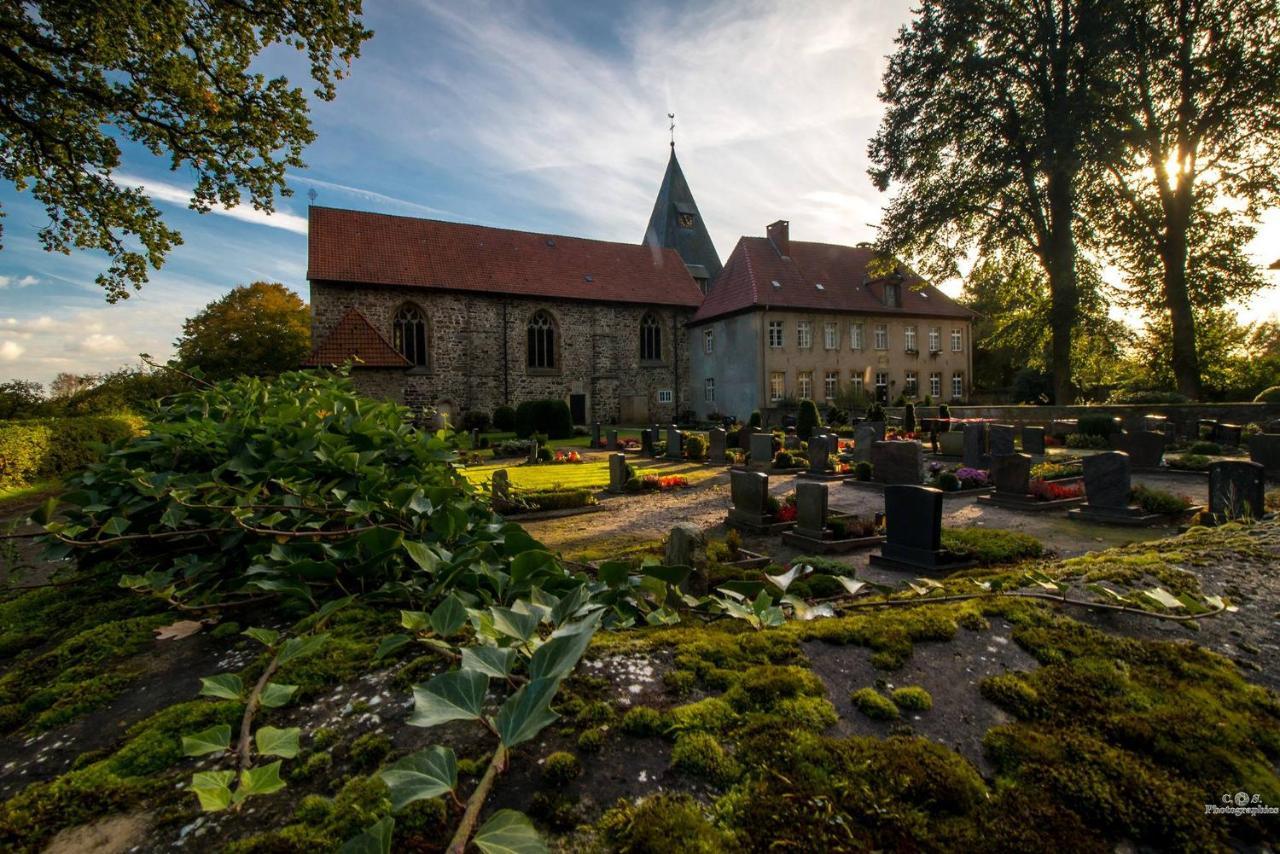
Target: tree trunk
[1186,362]
[1060,264]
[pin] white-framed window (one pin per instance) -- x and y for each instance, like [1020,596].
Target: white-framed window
[882,384]
[777,386]
[935,339]
[855,336]
[804,384]
[882,336]
[708,341]
[709,390]
[831,335]
[855,380]
[665,395]
[775,334]
[957,385]
[935,384]
[911,387]
[957,341]
[831,385]
[804,334]
[909,339]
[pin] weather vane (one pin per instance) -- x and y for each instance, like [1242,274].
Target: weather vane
[311,194]
[672,116]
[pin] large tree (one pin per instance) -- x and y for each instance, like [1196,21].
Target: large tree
[992,115]
[1199,106]
[176,77]
[260,329]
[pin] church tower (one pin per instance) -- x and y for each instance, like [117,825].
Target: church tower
[676,224]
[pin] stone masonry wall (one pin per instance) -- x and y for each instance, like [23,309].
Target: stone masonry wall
[468,369]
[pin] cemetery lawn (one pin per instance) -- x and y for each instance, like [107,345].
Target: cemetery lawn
[571,442]
[591,474]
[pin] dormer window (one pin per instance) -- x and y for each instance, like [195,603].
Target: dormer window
[893,295]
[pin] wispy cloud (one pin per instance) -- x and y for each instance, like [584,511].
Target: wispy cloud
[379,199]
[161,191]
[18,281]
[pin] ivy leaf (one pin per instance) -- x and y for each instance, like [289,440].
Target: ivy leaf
[213,788]
[425,774]
[298,647]
[277,742]
[213,740]
[422,555]
[514,624]
[266,637]
[1163,598]
[851,585]
[528,564]
[275,695]
[262,780]
[509,832]
[569,605]
[415,621]
[491,660]
[389,645]
[225,686]
[556,658]
[374,839]
[115,526]
[526,712]
[676,575]
[782,582]
[448,617]
[456,695]
[613,572]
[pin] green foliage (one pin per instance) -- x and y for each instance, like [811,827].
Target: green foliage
[262,329]
[912,698]
[206,108]
[1268,395]
[52,447]
[695,447]
[756,421]
[808,419]
[712,714]
[990,546]
[948,482]
[1097,425]
[1082,440]
[1158,500]
[504,419]
[368,750]
[807,712]
[660,824]
[862,471]
[873,704]
[1212,449]
[550,417]
[20,399]
[1147,397]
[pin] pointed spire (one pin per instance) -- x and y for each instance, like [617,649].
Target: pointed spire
[677,224]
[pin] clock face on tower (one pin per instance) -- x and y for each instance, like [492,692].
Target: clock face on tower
[685,220]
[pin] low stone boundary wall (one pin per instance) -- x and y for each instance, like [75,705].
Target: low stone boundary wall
[1184,415]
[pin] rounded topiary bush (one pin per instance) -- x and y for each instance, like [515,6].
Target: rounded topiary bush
[504,419]
[1097,425]
[695,447]
[757,420]
[808,420]
[1268,395]
[551,417]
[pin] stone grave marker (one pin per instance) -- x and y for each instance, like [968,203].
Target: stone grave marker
[750,492]
[500,487]
[657,434]
[1000,439]
[791,441]
[878,426]
[617,472]
[897,462]
[864,436]
[1237,489]
[761,451]
[682,545]
[595,434]
[818,454]
[1107,484]
[1011,474]
[674,443]
[1229,435]
[913,531]
[533,450]
[611,440]
[1032,440]
[975,445]
[1063,427]
[475,439]
[1146,449]
[646,442]
[811,509]
[717,446]
[951,444]
[1264,449]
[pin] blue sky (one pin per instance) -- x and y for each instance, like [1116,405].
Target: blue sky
[532,115]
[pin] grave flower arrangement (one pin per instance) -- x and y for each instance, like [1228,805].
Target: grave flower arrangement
[1057,471]
[787,509]
[1046,490]
[657,483]
[567,457]
[971,478]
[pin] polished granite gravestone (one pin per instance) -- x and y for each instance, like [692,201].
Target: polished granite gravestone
[1000,439]
[1237,490]
[1063,426]
[749,491]
[813,533]
[877,426]
[897,462]
[657,437]
[611,441]
[761,451]
[975,445]
[1011,476]
[595,434]
[864,436]
[1032,440]
[790,441]
[1107,487]
[1145,449]
[533,451]
[913,532]
[675,443]
[1229,435]
[1264,449]
[951,444]
[821,448]
[646,442]
[617,472]
[717,446]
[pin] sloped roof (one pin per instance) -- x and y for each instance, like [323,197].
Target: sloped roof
[675,197]
[355,337]
[379,249]
[748,278]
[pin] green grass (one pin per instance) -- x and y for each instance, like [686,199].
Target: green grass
[572,442]
[14,496]
[592,474]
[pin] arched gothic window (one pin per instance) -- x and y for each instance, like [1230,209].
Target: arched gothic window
[409,335]
[542,341]
[650,339]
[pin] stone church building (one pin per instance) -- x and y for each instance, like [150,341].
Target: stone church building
[468,318]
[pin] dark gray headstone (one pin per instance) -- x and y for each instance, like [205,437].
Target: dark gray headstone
[475,440]
[1033,440]
[818,453]
[913,518]
[1237,489]
[897,462]
[878,426]
[611,443]
[1011,473]
[617,472]
[1229,435]
[595,434]
[533,451]
[717,445]
[790,442]
[1264,449]
[761,449]
[1106,480]
[646,442]
[744,438]
[864,436]
[975,444]
[951,444]
[748,489]
[501,487]
[1000,439]
[1146,449]
[682,545]
[1063,427]
[1272,426]
[675,441]
[811,509]
[657,437]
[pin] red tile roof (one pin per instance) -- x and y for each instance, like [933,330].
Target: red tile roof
[378,249]
[355,337]
[748,278]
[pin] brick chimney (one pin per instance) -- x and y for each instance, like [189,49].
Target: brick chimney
[780,236]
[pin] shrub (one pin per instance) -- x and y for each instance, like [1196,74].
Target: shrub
[504,419]
[990,546]
[1148,397]
[756,421]
[948,482]
[475,420]
[544,454]
[784,460]
[875,412]
[50,447]
[1084,440]
[862,471]
[551,417]
[944,411]
[1190,462]
[873,704]
[695,447]
[1097,424]
[1158,501]
[1268,395]
[1205,449]
[512,448]
[912,698]
[808,420]
[553,499]
[909,418]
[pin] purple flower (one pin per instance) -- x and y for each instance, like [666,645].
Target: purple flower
[971,478]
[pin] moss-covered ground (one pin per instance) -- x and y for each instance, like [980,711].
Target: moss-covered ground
[827,734]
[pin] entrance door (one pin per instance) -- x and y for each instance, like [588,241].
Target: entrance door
[578,408]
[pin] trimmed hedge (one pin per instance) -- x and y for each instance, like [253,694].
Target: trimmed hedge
[48,447]
[1097,425]
[551,417]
